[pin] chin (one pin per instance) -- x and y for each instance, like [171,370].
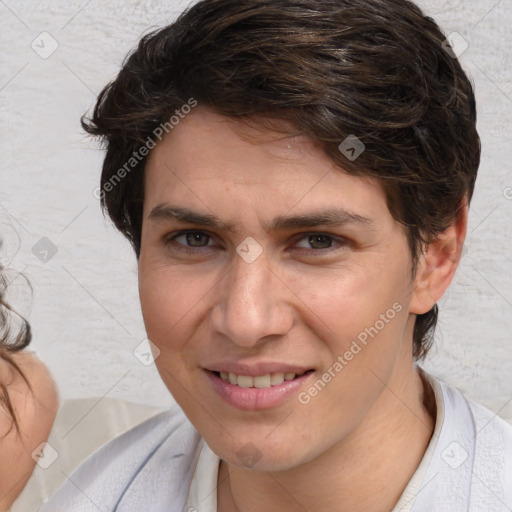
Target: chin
[264,455]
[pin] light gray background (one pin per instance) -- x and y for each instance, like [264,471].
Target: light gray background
[84,309]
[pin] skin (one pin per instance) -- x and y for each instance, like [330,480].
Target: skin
[356,444]
[36,409]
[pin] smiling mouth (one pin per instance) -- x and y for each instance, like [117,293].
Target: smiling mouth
[261,381]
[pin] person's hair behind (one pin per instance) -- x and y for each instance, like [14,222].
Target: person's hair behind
[375,68]
[15,335]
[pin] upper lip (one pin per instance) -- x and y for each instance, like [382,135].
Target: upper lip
[255,369]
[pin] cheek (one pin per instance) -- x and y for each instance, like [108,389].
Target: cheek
[341,303]
[169,299]
[170,302]
[366,314]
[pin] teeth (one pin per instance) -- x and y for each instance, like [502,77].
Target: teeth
[276,378]
[260,382]
[245,381]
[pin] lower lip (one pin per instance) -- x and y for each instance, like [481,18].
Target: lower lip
[253,399]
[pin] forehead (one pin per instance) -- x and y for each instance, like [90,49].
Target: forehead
[211,160]
[204,134]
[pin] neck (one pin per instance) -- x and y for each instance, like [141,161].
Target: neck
[367,471]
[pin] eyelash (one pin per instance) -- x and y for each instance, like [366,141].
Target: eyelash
[188,250]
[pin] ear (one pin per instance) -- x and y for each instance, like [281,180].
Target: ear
[438,263]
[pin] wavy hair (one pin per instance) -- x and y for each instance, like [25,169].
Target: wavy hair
[12,340]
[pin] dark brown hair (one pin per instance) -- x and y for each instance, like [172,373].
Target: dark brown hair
[13,338]
[376,69]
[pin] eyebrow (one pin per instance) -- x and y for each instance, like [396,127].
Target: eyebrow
[328,217]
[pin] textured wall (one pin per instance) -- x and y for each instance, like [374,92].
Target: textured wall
[85,310]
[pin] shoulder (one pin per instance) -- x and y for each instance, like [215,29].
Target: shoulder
[147,468]
[486,424]
[35,405]
[492,468]
[471,468]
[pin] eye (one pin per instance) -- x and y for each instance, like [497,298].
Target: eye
[195,239]
[189,239]
[320,242]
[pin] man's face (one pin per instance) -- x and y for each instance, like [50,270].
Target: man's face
[296,297]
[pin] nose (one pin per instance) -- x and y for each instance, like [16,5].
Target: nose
[252,304]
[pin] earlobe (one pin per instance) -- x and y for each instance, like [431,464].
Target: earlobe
[438,263]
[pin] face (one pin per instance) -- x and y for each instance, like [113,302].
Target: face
[276,287]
